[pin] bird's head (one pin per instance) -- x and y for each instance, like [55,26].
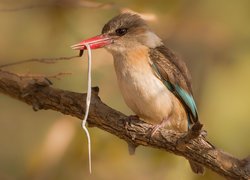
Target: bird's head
[123,32]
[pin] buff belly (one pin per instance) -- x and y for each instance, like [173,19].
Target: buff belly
[147,96]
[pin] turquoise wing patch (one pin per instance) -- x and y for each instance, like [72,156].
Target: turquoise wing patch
[185,96]
[181,93]
[188,99]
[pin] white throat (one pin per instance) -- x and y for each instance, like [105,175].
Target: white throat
[151,40]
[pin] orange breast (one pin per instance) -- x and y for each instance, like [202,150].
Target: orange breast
[144,93]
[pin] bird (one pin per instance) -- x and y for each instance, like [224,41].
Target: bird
[154,82]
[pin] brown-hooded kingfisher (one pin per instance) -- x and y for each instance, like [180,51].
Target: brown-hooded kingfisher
[154,82]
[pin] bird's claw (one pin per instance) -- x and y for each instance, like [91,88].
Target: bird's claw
[152,131]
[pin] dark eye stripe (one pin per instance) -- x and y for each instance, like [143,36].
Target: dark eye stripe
[121,31]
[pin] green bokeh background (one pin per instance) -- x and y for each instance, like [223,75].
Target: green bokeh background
[213,37]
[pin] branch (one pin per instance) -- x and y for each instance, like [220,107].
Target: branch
[62,3]
[37,91]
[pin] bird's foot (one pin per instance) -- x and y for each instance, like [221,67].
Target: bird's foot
[152,131]
[156,127]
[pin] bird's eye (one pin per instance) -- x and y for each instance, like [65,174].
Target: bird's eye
[121,31]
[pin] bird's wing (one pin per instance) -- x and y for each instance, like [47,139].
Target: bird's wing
[174,74]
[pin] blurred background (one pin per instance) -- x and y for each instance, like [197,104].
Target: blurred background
[213,37]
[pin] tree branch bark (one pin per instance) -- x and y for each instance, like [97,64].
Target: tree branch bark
[37,91]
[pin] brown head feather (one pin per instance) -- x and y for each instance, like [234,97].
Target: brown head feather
[125,20]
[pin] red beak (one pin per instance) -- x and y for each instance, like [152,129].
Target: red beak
[94,42]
